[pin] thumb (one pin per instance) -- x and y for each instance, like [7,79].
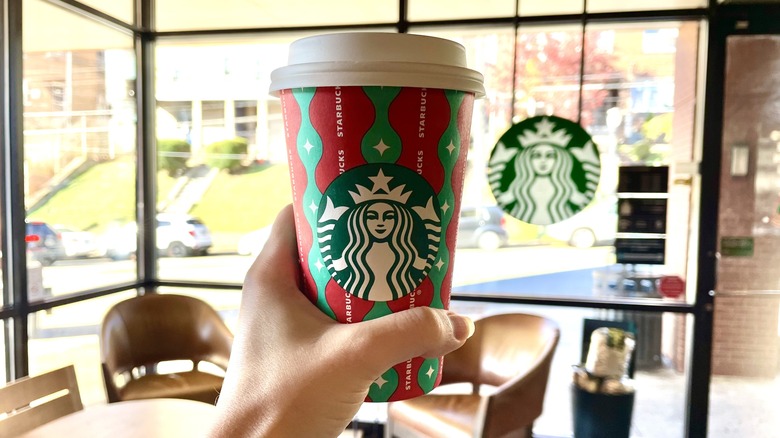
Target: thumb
[421,331]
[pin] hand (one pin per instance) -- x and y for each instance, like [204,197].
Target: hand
[294,372]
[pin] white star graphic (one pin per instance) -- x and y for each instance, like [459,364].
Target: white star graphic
[544,127]
[439,264]
[319,265]
[451,147]
[445,207]
[380,182]
[381,147]
[308,146]
[430,371]
[313,207]
[380,381]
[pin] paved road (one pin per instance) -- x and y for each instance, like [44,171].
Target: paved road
[471,267]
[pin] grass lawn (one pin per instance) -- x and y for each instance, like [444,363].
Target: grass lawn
[104,193]
[245,202]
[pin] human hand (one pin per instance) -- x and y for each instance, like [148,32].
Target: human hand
[295,372]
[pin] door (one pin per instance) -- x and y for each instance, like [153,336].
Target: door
[745,389]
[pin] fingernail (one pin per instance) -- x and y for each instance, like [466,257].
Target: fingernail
[462,326]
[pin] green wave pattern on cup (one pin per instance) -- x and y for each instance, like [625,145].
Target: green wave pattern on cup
[310,151]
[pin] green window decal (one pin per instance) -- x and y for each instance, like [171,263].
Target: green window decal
[544,169]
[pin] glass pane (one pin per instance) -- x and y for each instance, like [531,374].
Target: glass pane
[533,7]
[422,10]
[121,9]
[548,72]
[50,28]
[488,51]
[223,161]
[642,5]
[659,376]
[71,335]
[79,136]
[5,346]
[234,14]
[576,257]
[746,334]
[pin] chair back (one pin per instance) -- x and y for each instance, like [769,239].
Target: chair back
[512,352]
[503,347]
[18,413]
[146,330]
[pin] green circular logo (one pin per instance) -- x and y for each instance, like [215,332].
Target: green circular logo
[379,230]
[544,169]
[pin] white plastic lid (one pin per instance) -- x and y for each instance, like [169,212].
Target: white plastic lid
[382,59]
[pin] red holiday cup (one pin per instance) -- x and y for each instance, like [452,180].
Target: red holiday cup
[377,131]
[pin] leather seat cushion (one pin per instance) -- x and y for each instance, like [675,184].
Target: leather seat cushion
[438,415]
[193,385]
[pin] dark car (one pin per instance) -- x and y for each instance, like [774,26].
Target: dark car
[482,227]
[44,243]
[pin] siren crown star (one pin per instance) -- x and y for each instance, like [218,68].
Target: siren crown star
[544,134]
[380,190]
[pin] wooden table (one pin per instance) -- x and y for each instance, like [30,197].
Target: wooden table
[165,417]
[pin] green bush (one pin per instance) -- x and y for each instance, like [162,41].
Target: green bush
[227,154]
[173,156]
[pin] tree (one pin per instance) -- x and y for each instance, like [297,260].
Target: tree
[548,75]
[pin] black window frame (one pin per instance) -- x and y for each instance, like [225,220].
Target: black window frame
[721,19]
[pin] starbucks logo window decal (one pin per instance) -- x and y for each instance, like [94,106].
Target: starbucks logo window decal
[544,169]
[388,219]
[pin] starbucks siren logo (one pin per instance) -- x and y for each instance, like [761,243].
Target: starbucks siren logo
[379,229]
[544,169]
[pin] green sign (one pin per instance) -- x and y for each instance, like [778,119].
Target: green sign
[736,246]
[544,169]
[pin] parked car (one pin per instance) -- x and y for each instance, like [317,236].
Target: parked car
[596,224]
[178,235]
[78,244]
[181,235]
[252,243]
[44,243]
[482,227]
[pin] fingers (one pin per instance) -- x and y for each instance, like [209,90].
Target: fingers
[422,331]
[279,257]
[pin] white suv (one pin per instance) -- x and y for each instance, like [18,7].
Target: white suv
[178,235]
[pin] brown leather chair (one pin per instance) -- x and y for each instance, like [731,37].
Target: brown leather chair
[511,352]
[139,333]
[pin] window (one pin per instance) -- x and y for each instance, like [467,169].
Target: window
[79,143]
[231,177]
[174,14]
[70,334]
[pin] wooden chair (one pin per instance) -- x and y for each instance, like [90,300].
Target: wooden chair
[140,333]
[31,401]
[511,353]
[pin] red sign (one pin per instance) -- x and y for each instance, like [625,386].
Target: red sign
[671,286]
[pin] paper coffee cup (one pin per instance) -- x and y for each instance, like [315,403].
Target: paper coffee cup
[377,131]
